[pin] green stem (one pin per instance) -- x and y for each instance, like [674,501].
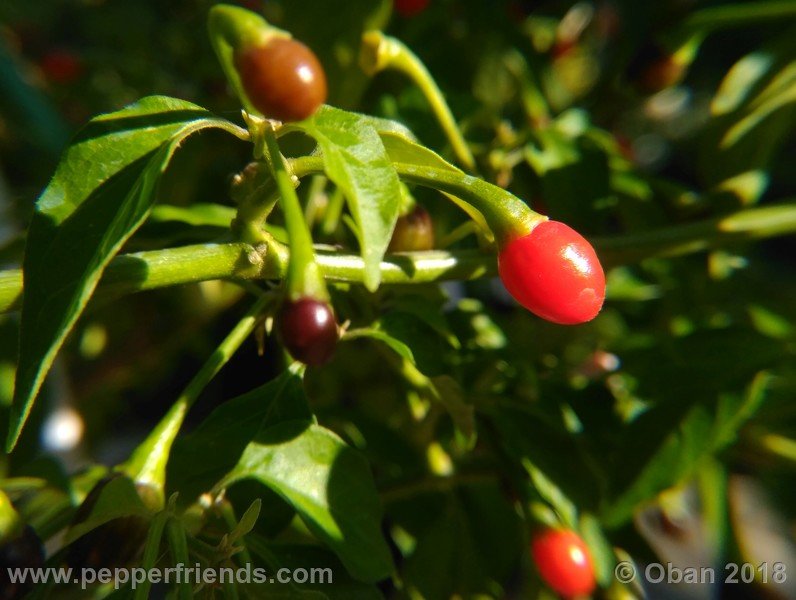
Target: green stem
[254,191]
[151,552]
[147,464]
[506,215]
[231,590]
[316,199]
[175,531]
[733,15]
[304,278]
[156,269]
[459,233]
[331,217]
[380,52]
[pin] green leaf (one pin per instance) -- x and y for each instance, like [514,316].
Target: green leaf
[442,388]
[770,323]
[779,94]
[118,498]
[247,521]
[402,149]
[198,215]
[201,458]
[733,410]
[330,486]
[448,392]
[324,565]
[385,127]
[531,434]
[468,550]
[713,481]
[102,191]
[677,454]
[552,494]
[660,449]
[356,161]
[753,110]
[499,538]
[600,547]
[395,344]
[428,308]
[575,175]
[446,561]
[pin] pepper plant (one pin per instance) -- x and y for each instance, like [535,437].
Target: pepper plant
[442,357]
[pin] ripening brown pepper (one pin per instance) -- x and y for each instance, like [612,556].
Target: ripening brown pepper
[283,79]
[413,232]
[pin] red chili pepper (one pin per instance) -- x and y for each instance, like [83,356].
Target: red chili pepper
[555,273]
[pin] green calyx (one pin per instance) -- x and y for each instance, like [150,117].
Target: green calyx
[231,29]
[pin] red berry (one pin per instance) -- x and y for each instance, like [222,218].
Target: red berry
[654,69]
[410,8]
[564,563]
[308,330]
[413,232]
[555,273]
[283,79]
[61,66]
[663,73]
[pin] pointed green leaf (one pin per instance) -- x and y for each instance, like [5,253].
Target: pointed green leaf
[552,494]
[330,486]
[118,498]
[753,110]
[247,521]
[734,410]
[102,191]
[356,161]
[442,388]
[468,550]
[201,458]
[395,344]
[601,550]
[402,149]
[669,459]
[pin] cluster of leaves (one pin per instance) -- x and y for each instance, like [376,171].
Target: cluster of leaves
[450,423]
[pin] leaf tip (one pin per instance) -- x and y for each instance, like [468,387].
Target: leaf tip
[14,431]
